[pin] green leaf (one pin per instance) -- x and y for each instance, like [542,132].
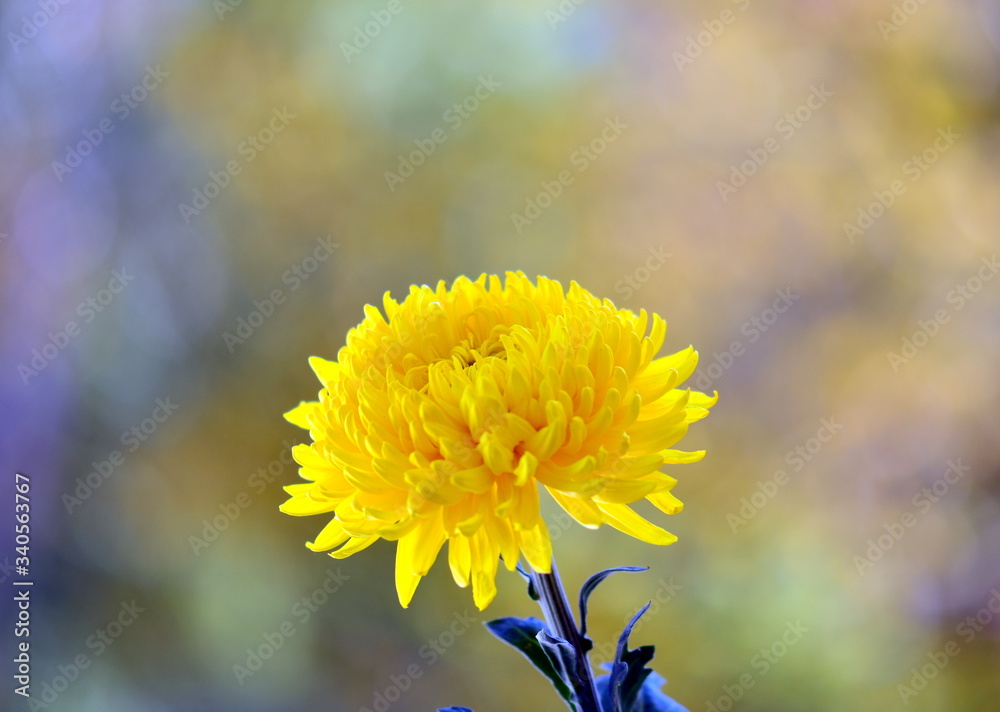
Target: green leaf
[650,699]
[629,671]
[522,633]
[532,593]
[563,657]
[592,583]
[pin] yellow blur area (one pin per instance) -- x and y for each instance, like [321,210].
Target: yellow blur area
[196,197]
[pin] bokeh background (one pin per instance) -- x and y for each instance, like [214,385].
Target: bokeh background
[807,191]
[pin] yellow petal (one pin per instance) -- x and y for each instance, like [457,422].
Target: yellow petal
[624,519]
[667,405]
[438,425]
[415,553]
[353,546]
[459,559]
[307,456]
[406,584]
[625,491]
[652,436]
[303,505]
[299,415]
[298,489]
[326,371]
[703,401]
[635,466]
[537,547]
[576,478]
[694,414]
[581,509]
[526,469]
[500,531]
[330,536]
[497,457]
[525,510]
[666,502]
[484,590]
[485,558]
[658,333]
[476,479]
[679,457]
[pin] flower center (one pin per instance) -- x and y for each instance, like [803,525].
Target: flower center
[471,353]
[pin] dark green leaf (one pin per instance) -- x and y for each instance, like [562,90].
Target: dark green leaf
[532,593]
[592,583]
[563,657]
[629,671]
[522,633]
[650,699]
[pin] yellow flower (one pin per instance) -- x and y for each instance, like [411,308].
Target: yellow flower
[439,420]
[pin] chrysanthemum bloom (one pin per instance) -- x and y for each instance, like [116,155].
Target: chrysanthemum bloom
[439,421]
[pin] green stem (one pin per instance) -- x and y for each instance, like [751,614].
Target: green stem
[555,605]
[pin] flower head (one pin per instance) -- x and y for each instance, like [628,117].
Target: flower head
[440,419]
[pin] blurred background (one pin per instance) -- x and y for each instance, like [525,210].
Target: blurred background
[196,197]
